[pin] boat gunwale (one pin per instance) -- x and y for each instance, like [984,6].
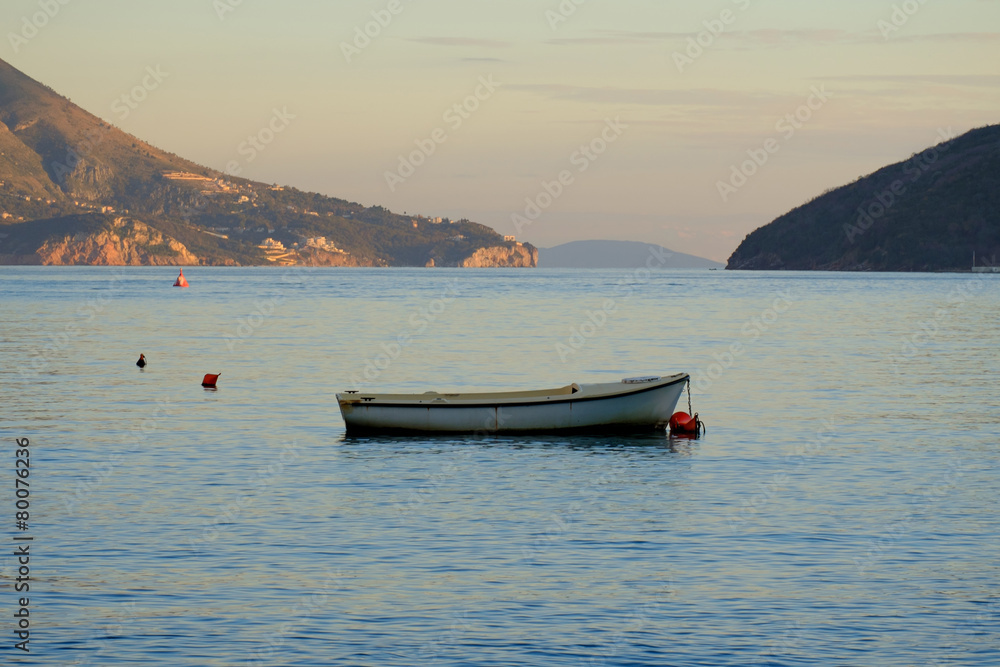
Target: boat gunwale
[358,400]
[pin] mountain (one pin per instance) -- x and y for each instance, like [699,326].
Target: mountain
[617,255]
[928,213]
[77,190]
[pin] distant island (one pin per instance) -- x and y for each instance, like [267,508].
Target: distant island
[77,190]
[932,212]
[617,255]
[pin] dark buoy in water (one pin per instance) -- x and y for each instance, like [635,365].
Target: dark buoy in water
[210,380]
[181,280]
[142,361]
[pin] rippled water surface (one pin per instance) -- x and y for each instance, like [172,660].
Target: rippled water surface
[842,509]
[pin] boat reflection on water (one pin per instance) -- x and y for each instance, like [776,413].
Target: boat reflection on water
[643,441]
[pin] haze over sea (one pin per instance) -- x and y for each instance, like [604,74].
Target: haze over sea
[841,510]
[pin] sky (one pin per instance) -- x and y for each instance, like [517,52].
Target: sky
[687,124]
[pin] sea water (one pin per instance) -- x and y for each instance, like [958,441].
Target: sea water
[841,509]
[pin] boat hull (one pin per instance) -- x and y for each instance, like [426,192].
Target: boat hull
[589,408]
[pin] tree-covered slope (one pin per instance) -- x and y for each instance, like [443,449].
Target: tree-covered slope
[928,213]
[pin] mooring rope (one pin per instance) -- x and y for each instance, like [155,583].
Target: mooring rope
[699,424]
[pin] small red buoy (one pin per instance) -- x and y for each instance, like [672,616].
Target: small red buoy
[181,280]
[210,380]
[684,424]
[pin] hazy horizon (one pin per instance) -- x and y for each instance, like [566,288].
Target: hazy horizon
[492,104]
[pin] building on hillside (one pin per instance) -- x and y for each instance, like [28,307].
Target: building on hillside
[271,244]
[322,243]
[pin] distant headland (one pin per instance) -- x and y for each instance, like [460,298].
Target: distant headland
[618,255]
[76,190]
[932,212]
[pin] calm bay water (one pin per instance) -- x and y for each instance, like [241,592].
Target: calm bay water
[842,509]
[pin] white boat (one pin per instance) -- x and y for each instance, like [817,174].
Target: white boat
[630,405]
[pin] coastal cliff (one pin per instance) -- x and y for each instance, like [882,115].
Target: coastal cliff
[124,242]
[514,256]
[64,172]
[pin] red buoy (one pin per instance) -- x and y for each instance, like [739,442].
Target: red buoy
[181,280]
[210,380]
[681,423]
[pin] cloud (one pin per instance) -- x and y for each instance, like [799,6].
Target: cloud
[646,96]
[741,39]
[968,80]
[462,41]
[737,37]
[947,37]
[620,37]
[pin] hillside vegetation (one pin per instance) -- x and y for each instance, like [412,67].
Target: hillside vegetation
[927,213]
[66,176]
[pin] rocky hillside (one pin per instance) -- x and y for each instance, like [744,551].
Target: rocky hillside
[76,190]
[928,213]
[106,241]
[518,256]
